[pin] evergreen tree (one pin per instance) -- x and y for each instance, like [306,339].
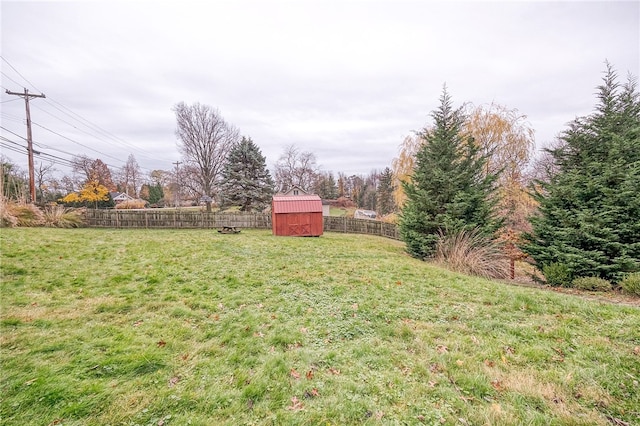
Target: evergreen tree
[449,190]
[156,193]
[246,181]
[589,217]
[325,186]
[385,199]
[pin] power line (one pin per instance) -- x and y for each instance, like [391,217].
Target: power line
[94,130]
[18,72]
[10,100]
[76,142]
[26,96]
[13,133]
[96,134]
[9,78]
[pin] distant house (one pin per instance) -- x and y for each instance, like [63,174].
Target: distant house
[297,215]
[120,197]
[364,214]
[294,191]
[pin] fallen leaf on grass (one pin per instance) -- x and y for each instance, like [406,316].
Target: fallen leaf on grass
[442,349]
[312,393]
[509,350]
[636,350]
[435,368]
[184,357]
[258,334]
[354,306]
[137,323]
[161,344]
[56,422]
[460,362]
[497,385]
[294,373]
[309,375]
[296,404]
[489,363]
[174,381]
[303,330]
[334,371]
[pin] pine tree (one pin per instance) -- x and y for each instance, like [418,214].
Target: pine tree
[449,190]
[589,217]
[246,181]
[385,199]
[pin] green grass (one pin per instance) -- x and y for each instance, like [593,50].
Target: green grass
[138,327]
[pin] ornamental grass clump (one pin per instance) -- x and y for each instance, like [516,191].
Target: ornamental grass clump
[131,204]
[469,252]
[57,216]
[631,284]
[15,214]
[591,284]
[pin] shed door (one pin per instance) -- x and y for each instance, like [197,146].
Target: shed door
[299,225]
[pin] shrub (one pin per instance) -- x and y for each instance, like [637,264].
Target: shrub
[631,284]
[131,204]
[591,284]
[557,274]
[58,216]
[7,220]
[471,253]
[25,214]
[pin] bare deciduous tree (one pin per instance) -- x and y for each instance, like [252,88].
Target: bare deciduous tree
[89,169]
[295,168]
[130,177]
[43,174]
[205,140]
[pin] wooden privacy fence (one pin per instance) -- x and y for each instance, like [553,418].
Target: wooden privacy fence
[175,219]
[361,226]
[186,219]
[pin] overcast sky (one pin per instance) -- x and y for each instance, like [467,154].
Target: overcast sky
[346,80]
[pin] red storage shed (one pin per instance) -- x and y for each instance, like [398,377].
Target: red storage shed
[297,216]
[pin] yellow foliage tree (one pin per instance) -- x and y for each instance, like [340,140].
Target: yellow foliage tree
[507,139]
[403,165]
[91,192]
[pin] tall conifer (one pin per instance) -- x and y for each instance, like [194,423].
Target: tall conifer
[449,190]
[589,218]
[246,181]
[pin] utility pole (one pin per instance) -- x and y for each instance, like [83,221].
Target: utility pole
[177,163]
[26,95]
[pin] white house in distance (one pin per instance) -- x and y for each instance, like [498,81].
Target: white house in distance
[120,197]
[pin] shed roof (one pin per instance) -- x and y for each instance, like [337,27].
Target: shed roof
[297,204]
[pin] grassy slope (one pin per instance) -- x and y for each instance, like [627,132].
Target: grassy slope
[194,327]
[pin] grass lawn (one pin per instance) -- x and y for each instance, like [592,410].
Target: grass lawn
[192,327]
